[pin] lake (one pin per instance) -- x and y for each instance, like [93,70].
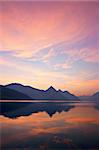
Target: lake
[45,125]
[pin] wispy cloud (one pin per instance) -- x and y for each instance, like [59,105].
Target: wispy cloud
[44,41]
[63,66]
[85,54]
[51,53]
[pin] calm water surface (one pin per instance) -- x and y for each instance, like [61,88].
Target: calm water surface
[49,125]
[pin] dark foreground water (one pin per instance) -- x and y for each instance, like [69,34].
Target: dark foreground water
[49,125]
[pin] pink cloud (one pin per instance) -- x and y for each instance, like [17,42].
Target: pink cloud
[29,27]
[3,60]
[86,54]
[63,66]
[46,58]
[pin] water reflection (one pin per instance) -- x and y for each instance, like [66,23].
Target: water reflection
[97,106]
[17,109]
[76,127]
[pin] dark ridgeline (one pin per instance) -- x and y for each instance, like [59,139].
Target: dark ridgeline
[95,96]
[17,109]
[6,93]
[27,92]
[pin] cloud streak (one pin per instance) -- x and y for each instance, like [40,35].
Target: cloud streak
[47,39]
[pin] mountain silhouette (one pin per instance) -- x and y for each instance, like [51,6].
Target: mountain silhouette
[68,95]
[84,97]
[50,94]
[6,93]
[95,96]
[54,94]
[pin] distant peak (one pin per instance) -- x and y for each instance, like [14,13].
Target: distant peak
[51,88]
[60,90]
[15,84]
[97,93]
[66,92]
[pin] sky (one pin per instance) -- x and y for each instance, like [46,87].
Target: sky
[50,43]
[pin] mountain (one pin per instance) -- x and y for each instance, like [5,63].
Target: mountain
[68,95]
[85,97]
[52,94]
[95,96]
[49,94]
[31,92]
[10,94]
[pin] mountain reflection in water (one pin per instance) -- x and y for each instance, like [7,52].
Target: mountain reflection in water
[17,109]
[49,125]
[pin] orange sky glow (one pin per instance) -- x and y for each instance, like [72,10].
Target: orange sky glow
[50,43]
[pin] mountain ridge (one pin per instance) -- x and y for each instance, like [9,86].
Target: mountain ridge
[94,96]
[6,93]
[36,94]
[28,92]
[49,94]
